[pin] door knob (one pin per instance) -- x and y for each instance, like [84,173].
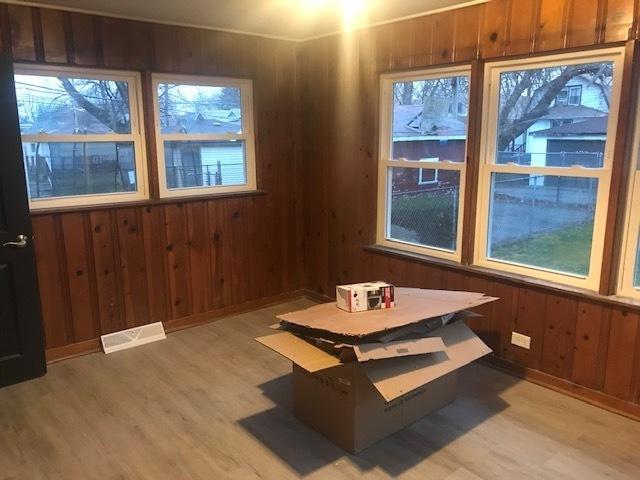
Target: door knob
[21,242]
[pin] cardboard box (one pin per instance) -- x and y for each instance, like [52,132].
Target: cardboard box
[397,368]
[359,297]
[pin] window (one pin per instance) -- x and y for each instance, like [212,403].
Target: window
[544,184]
[82,136]
[422,160]
[629,272]
[571,95]
[205,137]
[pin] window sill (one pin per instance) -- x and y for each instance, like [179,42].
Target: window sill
[145,203]
[519,280]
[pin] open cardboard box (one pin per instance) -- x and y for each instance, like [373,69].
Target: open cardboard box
[397,373]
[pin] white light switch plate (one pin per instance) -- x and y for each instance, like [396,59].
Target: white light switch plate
[521,340]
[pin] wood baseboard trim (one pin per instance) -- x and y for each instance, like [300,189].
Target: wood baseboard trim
[318,297]
[72,350]
[588,395]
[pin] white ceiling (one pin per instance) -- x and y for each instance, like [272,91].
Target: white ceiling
[291,19]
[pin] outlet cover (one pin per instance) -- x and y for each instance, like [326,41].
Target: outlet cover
[521,340]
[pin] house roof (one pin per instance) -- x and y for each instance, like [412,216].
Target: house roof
[408,121]
[565,112]
[195,123]
[592,126]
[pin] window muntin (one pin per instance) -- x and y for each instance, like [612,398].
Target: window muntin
[560,169]
[82,136]
[205,135]
[422,162]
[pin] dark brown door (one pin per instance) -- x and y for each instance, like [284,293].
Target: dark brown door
[21,341]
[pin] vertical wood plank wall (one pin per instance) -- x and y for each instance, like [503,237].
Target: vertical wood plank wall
[582,346]
[179,262]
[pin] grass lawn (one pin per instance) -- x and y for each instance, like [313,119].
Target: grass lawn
[567,250]
[430,217]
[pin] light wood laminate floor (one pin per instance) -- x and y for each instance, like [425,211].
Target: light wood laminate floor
[210,403]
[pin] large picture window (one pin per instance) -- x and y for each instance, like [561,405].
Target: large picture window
[82,136]
[422,164]
[546,165]
[205,135]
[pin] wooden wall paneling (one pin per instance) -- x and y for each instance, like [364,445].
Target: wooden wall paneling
[583,22]
[157,279]
[199,256]
[177,257]
[552,29]
[238,273]
[166,48]
[455,280]
[401,45]
[523,26]
[108,288]
[84,37]
[130,237]
[191,48]
[77,247]
[115,44]
[435,277]
[38,40]
[467,31]
[619,20]
[422,42]
[53,38]
[503,317]
[22,35]
[495,28]
[444,38]
[481,326]
[591,329]
[384,47]
[140,45]
[220,254]
[51,273]
[529,321]
[621,354]
[559,336]
[5,30]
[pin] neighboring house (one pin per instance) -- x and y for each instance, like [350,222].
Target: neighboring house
[423,133]
[572,132]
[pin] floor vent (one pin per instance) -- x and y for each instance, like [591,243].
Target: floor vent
[132,337]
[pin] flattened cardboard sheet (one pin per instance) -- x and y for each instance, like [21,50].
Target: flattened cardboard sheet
[393,377]
[402,348]
[300,352]
[411,306]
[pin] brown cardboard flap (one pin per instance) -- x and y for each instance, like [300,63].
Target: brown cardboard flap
[393,377]
[412,305]
[401,348]
[299,351]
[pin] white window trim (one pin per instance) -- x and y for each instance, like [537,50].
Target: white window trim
[386,162]
[247,135]
[626,272]
[487,166]
[136,136]
[427,182]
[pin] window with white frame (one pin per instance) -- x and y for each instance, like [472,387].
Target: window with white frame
[82,135]
[545,167]
[422,162]
[205,135]
[629,272]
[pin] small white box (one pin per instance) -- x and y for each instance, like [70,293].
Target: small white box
[359,297]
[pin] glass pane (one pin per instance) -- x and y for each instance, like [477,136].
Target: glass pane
[554,116]
[424,207]
[430,119]
[65,169]
[199,109]
[542,221]
[202,164]
[64,105]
